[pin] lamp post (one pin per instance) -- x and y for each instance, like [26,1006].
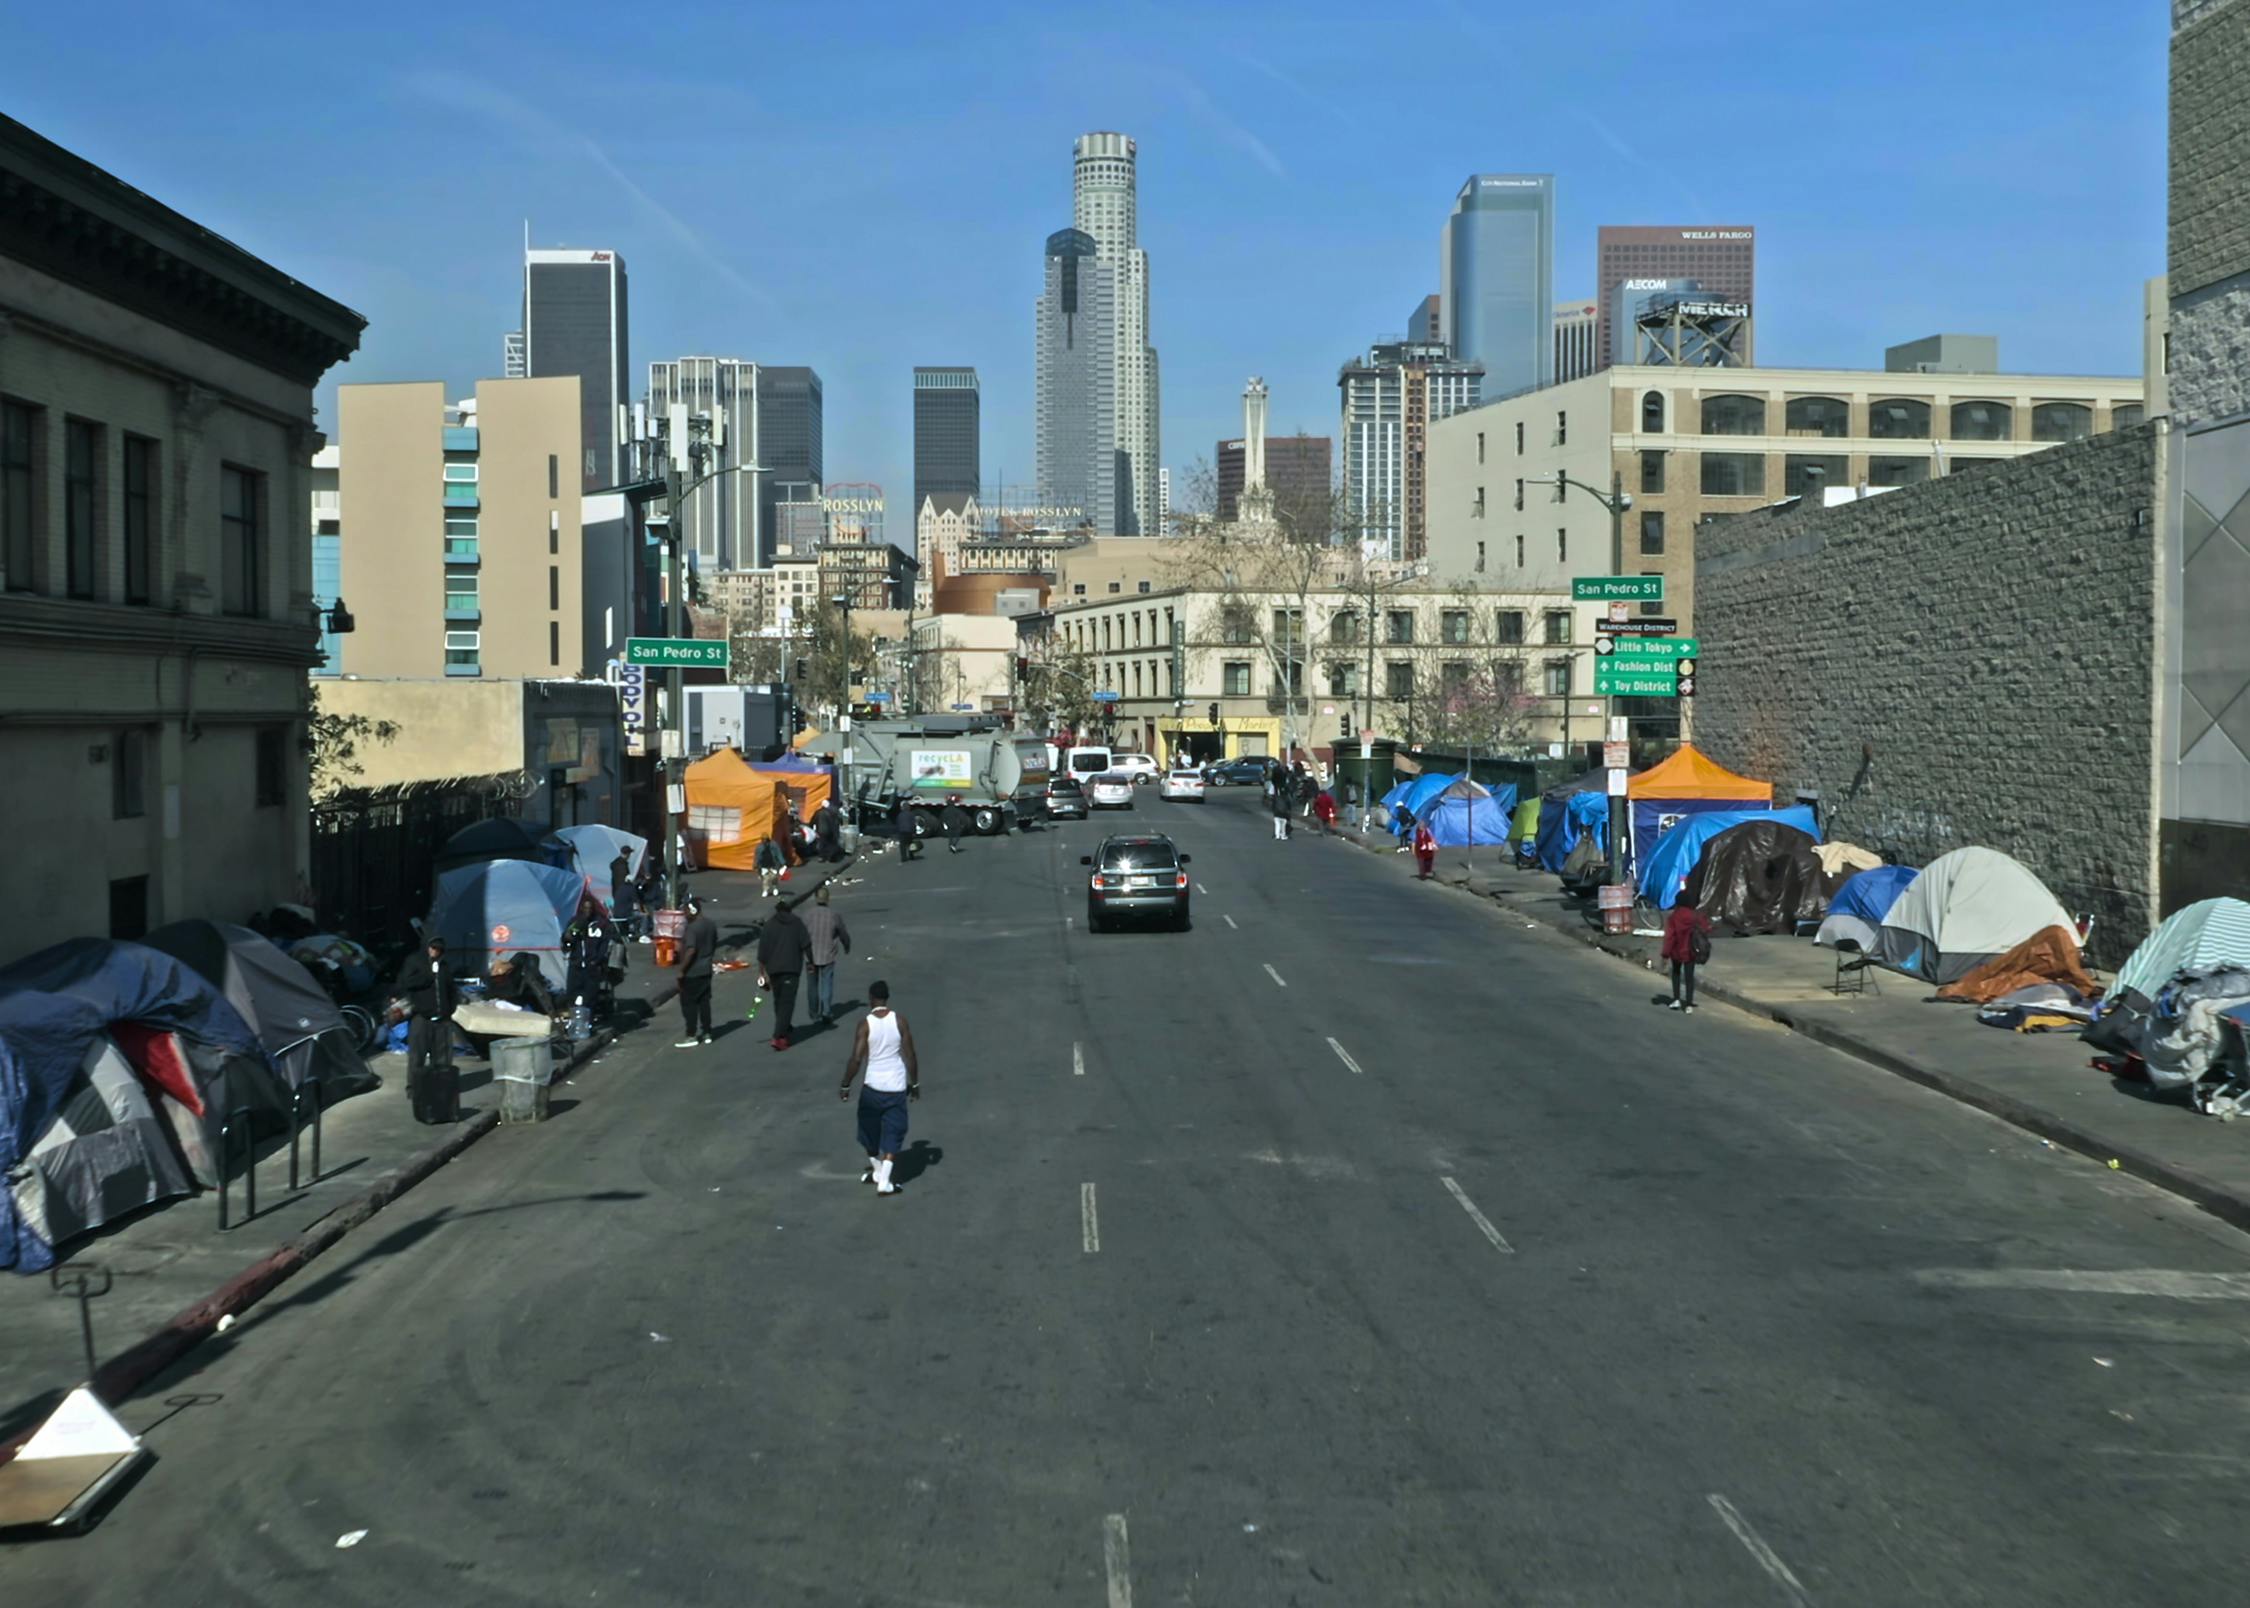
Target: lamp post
[843,600]
[1616,501]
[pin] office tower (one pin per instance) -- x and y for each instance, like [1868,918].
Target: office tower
[1575,339]
[1297,474]
[1391,398]
[1496,279]
[720,520]
[947,421]
[1426,323]
[574,325]
[1164,501]
[1076,381]
[1641,260]
[789,434]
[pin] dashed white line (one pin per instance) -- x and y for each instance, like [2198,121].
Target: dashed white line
[1200,888]
[1343,1055]
[1117,1561]
[1078,1060]
[1755,1544]
[1069,922]
[1276,976]
[1229,920]
[1088,1222]
[1483,1222]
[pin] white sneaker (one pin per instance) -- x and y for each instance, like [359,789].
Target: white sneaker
[886,1189]
[687,1044]
[1674,1006]
[1687,1010]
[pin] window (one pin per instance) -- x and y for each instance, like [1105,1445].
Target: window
[2126,414]
[242,585]
[461,652]
[1077,588]
[1983,421]
[1652,471]
[1734,415]
[1652,608]
[19,502]
[1519,496]
[1293,676]
[1398,626]
[82,450]
[1143,586]
[463,473]
[1453,625]
[1343,627]
[1105,635]
[1734,474]
[1562,545]
[2061,421]
[1562,428]
[1507,627]
[1817,416]
[140,517]
[1480,457]
[1288,625]
[554,532]
[554,476]
[1519,438]
[128,908]
[1343,680]
[1898,419]
[1453,678]
[1652,413]
[554,587]
[1519,552]
[1557,678]
[1897,471]
[273,772]
[1558,627]
[1117,586]
[1234,678]
[1398,679]
[1480,558]
[1476,509]
[1652,533]
[128,775]
[1803,474]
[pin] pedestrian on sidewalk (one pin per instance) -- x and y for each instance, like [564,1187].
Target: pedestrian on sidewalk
[884,1046]
[902,827]
[827,937]
[955,820]
[1425,850]
[782,950]
[828,828]
[1281,804]
[1351,804]
[699,946]
[433,1087]
[622,904]
[1324,811]
[648,892]
[771,862]
[1687,945]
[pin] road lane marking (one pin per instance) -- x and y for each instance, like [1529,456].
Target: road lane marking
[1276,976]
[1088,1222]
[1343,1055]
[1117,1559]
[1755,1544]
[1077,1060]
[1200,888]
[1069,922]
[1483,1222]
[1229,920]
[2081,1281]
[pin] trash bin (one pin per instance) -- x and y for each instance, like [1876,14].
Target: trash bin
[523,1067]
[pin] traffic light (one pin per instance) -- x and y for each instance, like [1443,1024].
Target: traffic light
[1214,714]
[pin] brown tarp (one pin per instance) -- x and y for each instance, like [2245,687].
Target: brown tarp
[2049,955]
[1760,876]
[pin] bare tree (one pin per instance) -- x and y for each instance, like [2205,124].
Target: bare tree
[835,660]
[1058,686]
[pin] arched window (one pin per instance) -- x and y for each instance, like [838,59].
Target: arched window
[2061,421]
[1652,413]
[2126,414]
[1817,416]
[1898,419]
[1983,421]
[1734,415]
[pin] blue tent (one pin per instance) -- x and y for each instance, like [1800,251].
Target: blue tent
[1856,914]
[1419,792]
[593,847]
[1468,814]
[1565,816]
[503,907]
[1665,868]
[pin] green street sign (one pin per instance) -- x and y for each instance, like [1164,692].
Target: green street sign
[685,653]
[1617,588]
[1656,683]
[1644,650]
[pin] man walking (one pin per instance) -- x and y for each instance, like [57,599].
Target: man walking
[782,949]
[826,937]
[828,829]
[432,1085]
[955,820]
[902,825]
[699,946]
[884,1046]
[1281,803]
[621,900]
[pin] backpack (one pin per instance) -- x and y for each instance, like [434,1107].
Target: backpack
[1699,945]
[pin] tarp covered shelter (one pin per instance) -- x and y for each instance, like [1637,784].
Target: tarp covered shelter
[508,907]
[500,839]
[1965,908]
[1524,828]
[106,1152]
[1419,792]
[2049,955]
[1855,914]
[298,1024]
[2201,937]
[1468,814]
[592,848]
[1666,862]
[1567,813]
[1686,782]
[1759,875]
[732,808]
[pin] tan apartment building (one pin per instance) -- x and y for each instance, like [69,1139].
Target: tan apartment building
[961,662]
[1688,443]
[872,572]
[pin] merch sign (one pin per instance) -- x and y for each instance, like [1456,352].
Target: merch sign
[632,703]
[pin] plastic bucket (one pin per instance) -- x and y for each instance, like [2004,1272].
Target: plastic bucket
[522,1068]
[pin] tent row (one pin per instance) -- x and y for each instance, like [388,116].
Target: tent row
[1460,811]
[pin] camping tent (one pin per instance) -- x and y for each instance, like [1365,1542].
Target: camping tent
[1569,812]
[1965,908]
[1666,861]
[499,839]
[302,1031]
[1467,814]
[1686,783]
[105,1152]
[1759,875]
[506,907]
[592,848]
[1418,794]
[732,809]
[1855,915]
[1525,827]
[2207,934]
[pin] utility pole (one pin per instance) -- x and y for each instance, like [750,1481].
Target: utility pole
[1616,502]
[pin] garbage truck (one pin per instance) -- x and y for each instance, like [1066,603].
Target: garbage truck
[999,777]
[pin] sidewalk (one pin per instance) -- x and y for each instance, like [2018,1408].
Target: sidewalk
[2041,1082]
[174,1275]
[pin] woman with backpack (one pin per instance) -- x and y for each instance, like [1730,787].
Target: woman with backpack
[1687,945]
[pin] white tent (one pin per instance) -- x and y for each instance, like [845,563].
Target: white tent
[1965,908]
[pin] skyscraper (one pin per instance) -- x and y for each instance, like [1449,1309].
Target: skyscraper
[1297,473]
[1720,261]
[789,434]
[1076,381]
[574,324]
[947,419]
[721,520]
[1575,341]
[1496,279]
[1391,398]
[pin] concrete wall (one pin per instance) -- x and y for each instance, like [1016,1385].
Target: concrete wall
[463,726]
[1963,662]
[2210,211]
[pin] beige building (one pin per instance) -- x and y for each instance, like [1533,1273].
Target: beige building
[1687,443]
[869,570]
[1113,566]
[944,522]
[560,740]
[156,598]
[962,661]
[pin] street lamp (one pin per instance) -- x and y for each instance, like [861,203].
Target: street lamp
[1617,502]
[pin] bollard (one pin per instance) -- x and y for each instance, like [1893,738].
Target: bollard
[308,1090]
[238,1117]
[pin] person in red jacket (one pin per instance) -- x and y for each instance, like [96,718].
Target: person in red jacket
[1324,811]
[1425,849]
[1687,945]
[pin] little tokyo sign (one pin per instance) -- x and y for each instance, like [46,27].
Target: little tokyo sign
[1644,650]
[1617,589]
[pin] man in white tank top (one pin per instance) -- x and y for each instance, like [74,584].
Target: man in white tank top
[884,1047]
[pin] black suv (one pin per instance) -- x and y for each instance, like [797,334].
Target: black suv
[1142,875]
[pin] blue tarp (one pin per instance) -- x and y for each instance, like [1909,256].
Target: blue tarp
[1418,793]
[1461,818]
[1564,818]
[1870,894]
[505,906]
[593,847]
[1655,818]
[1666,867]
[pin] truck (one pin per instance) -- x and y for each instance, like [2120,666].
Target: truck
[999,777]
[758,720]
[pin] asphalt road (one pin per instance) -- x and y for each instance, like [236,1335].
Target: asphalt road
[1358,1247]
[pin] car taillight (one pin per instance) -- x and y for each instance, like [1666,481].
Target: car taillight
[1183,879]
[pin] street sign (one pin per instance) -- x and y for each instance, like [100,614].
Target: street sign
[1649,626]
[685,653]
[1616,756]
[1618,611]
[1654,682]
[878,697]
[1644,650]
[1687,686]
[1617,588]
[632,707]
[1617,781]
[1105,696]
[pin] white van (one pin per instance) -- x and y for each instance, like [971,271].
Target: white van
[1087,763]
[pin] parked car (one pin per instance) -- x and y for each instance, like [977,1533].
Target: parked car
[1138,876]
[1112,790]
[1066,799]
[1142,768]
[1236,773]
[1181,785]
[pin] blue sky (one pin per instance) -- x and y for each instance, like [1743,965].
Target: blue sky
[866,186]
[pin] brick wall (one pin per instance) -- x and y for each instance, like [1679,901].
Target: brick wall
[2210,209]
[1966,661]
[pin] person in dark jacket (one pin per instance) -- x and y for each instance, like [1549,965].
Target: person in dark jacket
[1687,943]
[426,985]
[1281,803]
[955,820]
[902,826]
[828,830]
[622,901]
[699,946]
[783,949]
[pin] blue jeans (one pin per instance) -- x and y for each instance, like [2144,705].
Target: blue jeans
[823,992]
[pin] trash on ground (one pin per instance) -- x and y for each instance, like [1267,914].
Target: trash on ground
[226,1322]
[2104,1362]
[660,1339]
[350,1538]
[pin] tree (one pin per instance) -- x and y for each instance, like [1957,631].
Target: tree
[1058,685]
[755,658]
[1472,689]
[834,660]
[333,743]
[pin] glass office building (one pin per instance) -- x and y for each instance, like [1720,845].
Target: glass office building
[1497,279]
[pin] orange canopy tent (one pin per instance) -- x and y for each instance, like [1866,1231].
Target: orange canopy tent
[1687,783]
[731,809]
